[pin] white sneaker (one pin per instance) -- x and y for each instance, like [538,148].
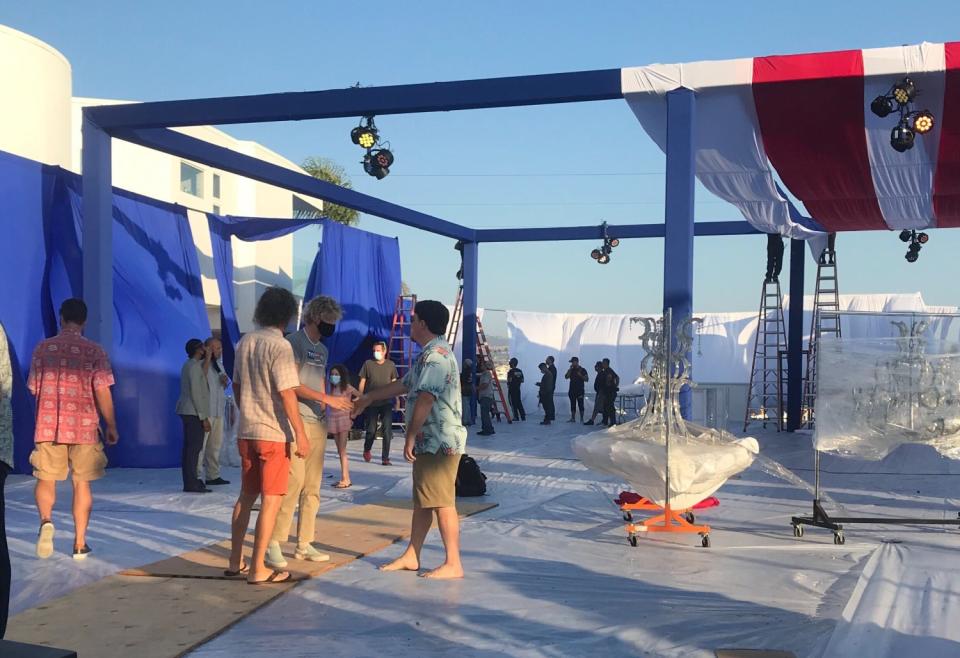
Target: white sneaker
[274,558]
[45,540]
[310,554]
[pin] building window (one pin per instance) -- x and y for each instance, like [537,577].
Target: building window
[191,179]
[216,209]
[216,186]
[304,210]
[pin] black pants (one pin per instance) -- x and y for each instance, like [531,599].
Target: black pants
[774,255]
[516,404]
[610,408]
[549,409]
[385,416]
[576,400]
[4,557]
[192,446]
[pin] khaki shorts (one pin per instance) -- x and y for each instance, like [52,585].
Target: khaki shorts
[434,480]
[51,461]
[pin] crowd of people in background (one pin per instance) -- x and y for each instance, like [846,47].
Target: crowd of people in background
[606,386]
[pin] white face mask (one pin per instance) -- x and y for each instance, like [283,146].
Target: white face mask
[378,355]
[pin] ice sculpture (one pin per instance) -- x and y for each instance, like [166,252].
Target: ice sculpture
[664,458]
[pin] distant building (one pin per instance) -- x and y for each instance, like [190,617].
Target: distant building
[41,120]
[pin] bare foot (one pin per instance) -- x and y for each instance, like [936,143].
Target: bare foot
[444,572]
[403,563]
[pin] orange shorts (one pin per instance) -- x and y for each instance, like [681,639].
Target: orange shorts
[265,466]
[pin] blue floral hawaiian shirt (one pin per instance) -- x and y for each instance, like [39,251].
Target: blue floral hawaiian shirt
[436,372]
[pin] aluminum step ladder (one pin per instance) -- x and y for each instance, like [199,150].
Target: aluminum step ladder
[825,322]
[400,348]
[765,392]
[483,351]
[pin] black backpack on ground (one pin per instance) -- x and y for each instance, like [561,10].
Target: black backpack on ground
[470,479]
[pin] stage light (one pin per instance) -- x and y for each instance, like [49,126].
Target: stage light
[377,163]
[913,253]
[614,242]
[383,158]
[365,135]
[904,91]
[923,122]
[923,238]
[882,106]
[901,137]
[906,235]
[596,254]
[604,259]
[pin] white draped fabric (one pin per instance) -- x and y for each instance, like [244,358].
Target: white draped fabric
[722,353]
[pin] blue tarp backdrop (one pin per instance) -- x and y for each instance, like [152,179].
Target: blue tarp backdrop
[158,301]
[248,229]
[158,297]
[361,270]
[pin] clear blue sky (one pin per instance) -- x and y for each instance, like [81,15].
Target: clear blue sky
[544,166]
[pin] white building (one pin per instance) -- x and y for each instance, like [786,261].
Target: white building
[41,120]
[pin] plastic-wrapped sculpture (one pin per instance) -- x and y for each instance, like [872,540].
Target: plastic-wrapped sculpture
[672,463]
[878,393]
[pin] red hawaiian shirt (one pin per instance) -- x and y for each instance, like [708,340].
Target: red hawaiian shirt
[64,373]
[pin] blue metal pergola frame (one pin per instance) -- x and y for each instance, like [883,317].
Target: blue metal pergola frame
[148,124]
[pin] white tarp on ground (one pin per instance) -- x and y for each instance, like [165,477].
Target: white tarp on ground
[549,571]
[906,603]
[721,355]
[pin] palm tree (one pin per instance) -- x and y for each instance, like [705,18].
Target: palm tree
[327,170]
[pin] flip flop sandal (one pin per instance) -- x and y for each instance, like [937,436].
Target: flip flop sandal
[341,485]
[242,571]
[273,579]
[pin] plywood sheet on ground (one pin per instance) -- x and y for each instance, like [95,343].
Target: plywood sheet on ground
[345,535]
[121,616]
[149,615]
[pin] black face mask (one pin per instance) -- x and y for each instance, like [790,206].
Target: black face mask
[326,329]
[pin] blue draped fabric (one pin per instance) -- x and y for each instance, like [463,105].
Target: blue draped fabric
[248,229]
[158,301]
[361,270]
[26,191]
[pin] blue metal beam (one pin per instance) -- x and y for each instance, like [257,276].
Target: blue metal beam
[678,238]
[795,337]
[514,91]
[98,234]
[198,150]
[622,231]
[468,347]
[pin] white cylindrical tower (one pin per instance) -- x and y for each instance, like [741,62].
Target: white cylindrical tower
[37,86]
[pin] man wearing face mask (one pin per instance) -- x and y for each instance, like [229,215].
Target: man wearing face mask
[377,373]
[320,317]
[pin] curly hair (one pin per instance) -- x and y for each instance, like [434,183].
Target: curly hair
[320,306]
[275,308]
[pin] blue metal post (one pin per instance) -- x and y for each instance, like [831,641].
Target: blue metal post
[795,337]
[97,234]
[679,230]
[469,317]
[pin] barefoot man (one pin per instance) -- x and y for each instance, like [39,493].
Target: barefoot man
[435,438]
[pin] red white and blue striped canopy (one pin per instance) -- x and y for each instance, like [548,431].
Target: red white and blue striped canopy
[806,120]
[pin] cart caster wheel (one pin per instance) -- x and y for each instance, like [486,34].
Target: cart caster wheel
[627,516]
[838,538]
[689,517]
[798,531]
[705,542]
[633,540]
